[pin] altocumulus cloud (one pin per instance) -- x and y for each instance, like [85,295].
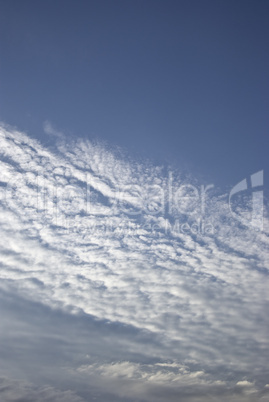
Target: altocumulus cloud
[125,281]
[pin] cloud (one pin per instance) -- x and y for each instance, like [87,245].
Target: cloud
[12,390]
[92,233]
[155,381]
[50,130]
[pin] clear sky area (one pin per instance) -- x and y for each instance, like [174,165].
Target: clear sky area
[181,82]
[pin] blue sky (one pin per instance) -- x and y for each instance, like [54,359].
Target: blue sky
[184,82]
[133,201]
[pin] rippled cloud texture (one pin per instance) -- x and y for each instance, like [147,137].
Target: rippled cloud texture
[123,281]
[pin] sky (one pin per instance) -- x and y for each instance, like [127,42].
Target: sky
[134,201]
[185,82]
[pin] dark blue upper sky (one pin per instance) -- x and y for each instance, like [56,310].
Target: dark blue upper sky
[185,81]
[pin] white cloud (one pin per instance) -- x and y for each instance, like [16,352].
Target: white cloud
[82,234]
[136,380]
